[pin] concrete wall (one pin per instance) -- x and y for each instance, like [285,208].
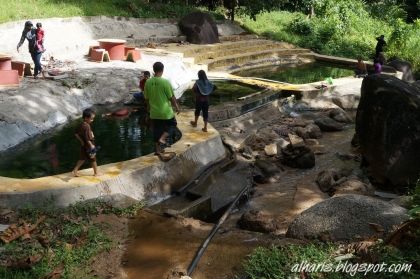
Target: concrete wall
[143,178]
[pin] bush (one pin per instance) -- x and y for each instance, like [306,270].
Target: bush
[301,25]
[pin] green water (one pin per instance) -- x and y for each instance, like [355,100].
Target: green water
[227,91]
[57,152]
[298,74]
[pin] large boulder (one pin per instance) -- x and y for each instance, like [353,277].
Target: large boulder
[199,28]
[404,67]
[388,130]
[347,217]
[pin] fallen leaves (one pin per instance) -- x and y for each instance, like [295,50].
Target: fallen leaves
[13,231]
[404,234]
[23,263]
[56,273]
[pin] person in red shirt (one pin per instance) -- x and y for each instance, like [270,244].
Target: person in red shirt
[40,37]
[139,96]
[146,76]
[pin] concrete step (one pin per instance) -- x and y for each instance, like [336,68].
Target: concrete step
[238,37]
[140,42]
[194,50]
[240,59]
[268,45]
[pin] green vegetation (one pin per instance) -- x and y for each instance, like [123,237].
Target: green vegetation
[343,28]
[284,261]
[415,201]
[62,244]
[278,262]
[13,10]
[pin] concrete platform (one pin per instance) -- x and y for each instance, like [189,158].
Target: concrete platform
[144,178]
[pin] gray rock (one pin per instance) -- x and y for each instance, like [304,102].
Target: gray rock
[200,28]
[354,186]
[296,141]
[326,179]
[346,217]
[300,157]
[281,143]
[257,221]
[348,101]
[388,131]
[340,115]
[404,67]
[267,168]
[271,149]
[327,124]
[311,131]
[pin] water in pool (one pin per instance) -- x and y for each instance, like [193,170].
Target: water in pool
[120,139]
[227,91]
[298,74]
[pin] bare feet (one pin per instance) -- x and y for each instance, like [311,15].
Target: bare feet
[75,174]
[97,174]
[194,124]
[204,130]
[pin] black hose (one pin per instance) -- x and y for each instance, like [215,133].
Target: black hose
[206,242]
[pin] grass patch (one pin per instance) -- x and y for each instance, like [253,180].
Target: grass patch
[278,262]
[283,262]
[13,10]
[63,243]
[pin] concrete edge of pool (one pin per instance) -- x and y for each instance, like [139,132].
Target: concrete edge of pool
[143,178]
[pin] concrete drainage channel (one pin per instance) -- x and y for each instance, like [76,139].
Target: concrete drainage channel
[210,197]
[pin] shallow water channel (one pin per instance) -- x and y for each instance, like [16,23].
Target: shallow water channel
[298,74]
[120,138]
[227,91]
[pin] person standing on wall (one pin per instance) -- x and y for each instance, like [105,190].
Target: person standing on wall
[379,45]
[202,89]
[29,33]
[160,98]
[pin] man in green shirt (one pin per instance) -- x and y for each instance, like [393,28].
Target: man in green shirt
[160,99]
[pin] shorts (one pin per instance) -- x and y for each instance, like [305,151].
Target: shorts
[138,96]
[85,155]
[159,126]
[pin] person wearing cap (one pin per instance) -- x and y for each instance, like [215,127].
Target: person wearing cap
[29,33]
[202,89]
